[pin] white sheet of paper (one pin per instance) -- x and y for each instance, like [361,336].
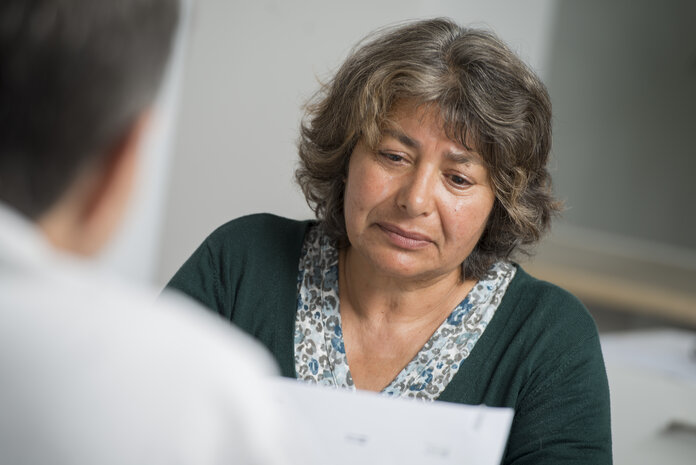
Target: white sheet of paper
[366,428]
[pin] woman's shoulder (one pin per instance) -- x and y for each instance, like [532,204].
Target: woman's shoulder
[257,234]
[534,290]
[548,306]
[259,227]
[260,250]
[253,241]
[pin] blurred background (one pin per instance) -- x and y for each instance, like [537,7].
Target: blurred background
[622,78]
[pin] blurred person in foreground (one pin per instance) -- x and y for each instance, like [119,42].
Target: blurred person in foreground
[424,159]
[92,371]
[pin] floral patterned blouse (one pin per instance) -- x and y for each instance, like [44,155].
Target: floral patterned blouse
[320,355]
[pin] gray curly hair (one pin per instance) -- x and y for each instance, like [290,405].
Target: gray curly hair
[487,97]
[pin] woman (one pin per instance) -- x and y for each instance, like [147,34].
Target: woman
[425,162]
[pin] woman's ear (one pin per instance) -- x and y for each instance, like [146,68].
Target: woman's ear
[86,216]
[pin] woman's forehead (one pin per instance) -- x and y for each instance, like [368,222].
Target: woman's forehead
[409,112]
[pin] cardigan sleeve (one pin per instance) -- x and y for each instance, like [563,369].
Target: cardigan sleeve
[246,272]
[562,414]
[565,418]
[237,263]
[233,260]
[199,278]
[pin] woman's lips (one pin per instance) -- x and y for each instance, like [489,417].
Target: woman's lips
[405,239]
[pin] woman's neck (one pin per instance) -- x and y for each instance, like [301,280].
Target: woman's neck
[387,319]
[371,295]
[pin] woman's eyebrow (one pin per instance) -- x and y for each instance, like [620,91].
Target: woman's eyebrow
[403,138]
[465,158]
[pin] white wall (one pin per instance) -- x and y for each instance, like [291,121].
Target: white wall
[623,84]
[250,66]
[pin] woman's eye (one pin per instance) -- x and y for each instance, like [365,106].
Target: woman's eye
[392,156]
[459,181]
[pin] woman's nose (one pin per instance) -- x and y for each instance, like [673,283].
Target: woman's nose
[416,194]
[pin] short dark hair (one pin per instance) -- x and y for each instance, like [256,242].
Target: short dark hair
[487,97]
[74,76]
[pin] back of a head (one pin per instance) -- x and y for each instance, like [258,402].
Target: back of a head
[75,75]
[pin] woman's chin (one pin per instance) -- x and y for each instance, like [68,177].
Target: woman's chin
[402,266]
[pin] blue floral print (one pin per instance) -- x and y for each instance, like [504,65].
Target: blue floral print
[320,355]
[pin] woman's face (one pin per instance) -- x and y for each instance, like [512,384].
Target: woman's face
[416,206]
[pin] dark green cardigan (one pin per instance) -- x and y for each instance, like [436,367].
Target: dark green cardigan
[540,354]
